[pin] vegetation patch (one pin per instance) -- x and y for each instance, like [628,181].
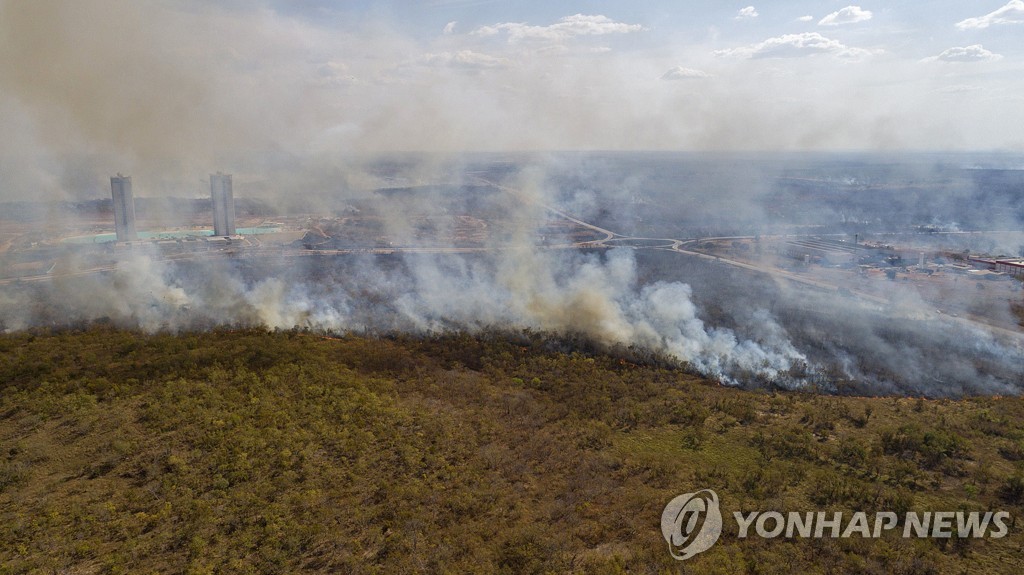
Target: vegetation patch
[271,452]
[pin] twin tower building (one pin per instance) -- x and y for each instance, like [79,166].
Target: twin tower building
[221,194]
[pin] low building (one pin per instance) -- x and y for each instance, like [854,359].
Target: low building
[1009,266]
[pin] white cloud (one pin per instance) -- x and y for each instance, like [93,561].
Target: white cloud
[334,74]
[973,53]
[449,28]
[1011,13]
[848,15]
[565,29]
[795,46]
[681,73]
[467,60]
[747,13]
[959,89]
[807,18]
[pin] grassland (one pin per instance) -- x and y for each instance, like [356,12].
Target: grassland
[256,452]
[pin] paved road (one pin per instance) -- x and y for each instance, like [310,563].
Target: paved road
[528,200]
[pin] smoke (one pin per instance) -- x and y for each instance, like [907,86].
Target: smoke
[740,327]
[308,109]
[164,89]
[512,284]
[171,91]
[596,297]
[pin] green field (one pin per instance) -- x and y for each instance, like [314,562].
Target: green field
[256,452]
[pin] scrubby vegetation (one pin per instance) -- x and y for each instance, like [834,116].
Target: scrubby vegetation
[255,452]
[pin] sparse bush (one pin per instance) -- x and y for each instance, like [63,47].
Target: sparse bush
[1012,490]
[860,421]
[828,487]
[931,448]
[1012,451]
[852,453]
[688,413]
[790,443]
[740,408]
[763,482]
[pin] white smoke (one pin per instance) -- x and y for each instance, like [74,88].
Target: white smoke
[519,288]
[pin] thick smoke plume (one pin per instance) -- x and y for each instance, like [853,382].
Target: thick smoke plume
[584,295]
[741,327]
[514,284]
[297,110]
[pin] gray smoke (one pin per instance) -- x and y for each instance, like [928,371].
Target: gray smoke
[738,326]
[300,112]
[512,285]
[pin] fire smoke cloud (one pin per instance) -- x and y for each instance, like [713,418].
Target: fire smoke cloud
[585,294]
[618,297]
[176,89]
[514,284]
[169,90]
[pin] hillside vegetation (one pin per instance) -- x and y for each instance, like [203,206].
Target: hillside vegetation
[256,452]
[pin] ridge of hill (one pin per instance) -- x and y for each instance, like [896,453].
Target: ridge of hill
[269,452]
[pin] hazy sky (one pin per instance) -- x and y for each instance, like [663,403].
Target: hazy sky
[173,84]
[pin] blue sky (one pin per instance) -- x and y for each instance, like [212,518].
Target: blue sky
[147,80]
[929,24]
